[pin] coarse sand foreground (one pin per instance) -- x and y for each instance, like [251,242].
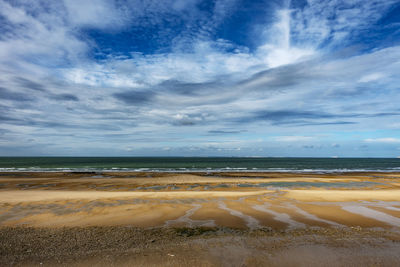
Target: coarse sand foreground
[128,246]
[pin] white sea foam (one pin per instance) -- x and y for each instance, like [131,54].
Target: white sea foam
[184,170]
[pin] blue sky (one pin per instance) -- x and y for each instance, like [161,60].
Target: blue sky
[200,78]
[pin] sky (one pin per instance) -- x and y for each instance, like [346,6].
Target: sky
[260,78]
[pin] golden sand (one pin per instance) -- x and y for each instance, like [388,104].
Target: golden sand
[48,195]
[163,200]
[344,195]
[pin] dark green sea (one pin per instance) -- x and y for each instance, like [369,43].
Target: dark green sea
[198,164]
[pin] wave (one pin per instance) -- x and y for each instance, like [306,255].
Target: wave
[202,170]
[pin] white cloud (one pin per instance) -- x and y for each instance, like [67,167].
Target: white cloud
[94,13]
[395,125]
[336,20]
[278,50]
[388,140]
[293,138]
[202,65]
[43,38]
[371,77]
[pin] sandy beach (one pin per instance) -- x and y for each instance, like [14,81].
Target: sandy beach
[196,211]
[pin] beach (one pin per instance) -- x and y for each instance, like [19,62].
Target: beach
[199,133]
[199,218]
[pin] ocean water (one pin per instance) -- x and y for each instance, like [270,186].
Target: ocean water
[198,164]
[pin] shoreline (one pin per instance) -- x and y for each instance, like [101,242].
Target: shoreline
[202,171]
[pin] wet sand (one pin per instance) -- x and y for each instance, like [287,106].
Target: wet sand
[238,208]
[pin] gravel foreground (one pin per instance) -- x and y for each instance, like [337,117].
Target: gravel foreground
[129,246]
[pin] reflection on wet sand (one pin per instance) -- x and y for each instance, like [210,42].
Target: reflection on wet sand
[270,200]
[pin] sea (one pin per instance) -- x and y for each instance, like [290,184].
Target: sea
[197,164]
